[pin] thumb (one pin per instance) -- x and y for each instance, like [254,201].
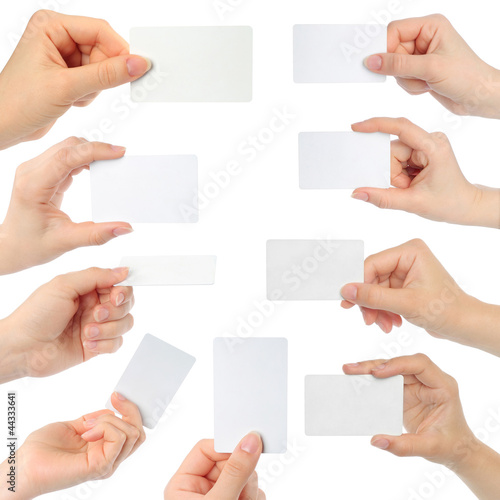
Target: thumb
[106,74]
[86,234]
[396,300]
[402,65]
[407,445]
[390,198]
[238,469]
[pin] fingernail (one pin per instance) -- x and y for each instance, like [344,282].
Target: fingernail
[137,66]
[120,270]
[90,423]
[251,443]
[360,196]
[119,149]
[121,231]
[90,344]
[93,332]
[357,123]
[373,63]
[383,444]
[349,292]
[120,397]
[352,365]
[120,299]
[101,315]
[88,434]
[379,367]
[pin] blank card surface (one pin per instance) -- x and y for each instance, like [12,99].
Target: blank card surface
[153,376]
[194,64]
[312,269]
[353,405]
[250,379]
[138,189]
[344,160]
[170,270]
[334,53]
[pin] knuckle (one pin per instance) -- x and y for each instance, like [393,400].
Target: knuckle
[72,141]
[384,203]
[96,239]
[103,469]
[373,296]
[106,74]
[234,468]
[399,64]
[440,137]
[63,155]
[41,17]
[423,359]
[418,243]
[142,437]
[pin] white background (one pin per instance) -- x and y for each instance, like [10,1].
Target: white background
[264,202]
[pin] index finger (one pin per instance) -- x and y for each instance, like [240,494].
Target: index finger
[408,132]
[420,30]
[201,459]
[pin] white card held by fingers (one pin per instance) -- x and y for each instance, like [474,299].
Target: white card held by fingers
[170,270]
[344,160]
[250,378]
[152,378]
[353,405]
[194,64]
[135,189]
[334,53]
[312,269]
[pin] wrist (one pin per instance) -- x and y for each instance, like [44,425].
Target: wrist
[486,207]
[12,483]
[13,358]
[485,100]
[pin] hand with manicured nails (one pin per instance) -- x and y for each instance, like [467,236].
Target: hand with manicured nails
[68,321]
[427,179]
[435,421]
[65,454]
[35,229]
[408,281]
[218,476]
[61,61]
[426,54]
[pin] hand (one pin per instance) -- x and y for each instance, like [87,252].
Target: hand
[68,321]
[218,476]
[65,454]
[427,178]
[433,414]
[426,54]
[61,61]
[35,230]
[408,281]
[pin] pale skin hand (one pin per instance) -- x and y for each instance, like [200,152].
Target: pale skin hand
[408,281]
[434,419]
[61,61]
[218,476]
[426,54]
[35,229]
[66,454]
[68,321]
[427,179]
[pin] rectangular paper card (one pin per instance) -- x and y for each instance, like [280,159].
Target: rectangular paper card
[344,160]
[152,378]
[250,380]
[312,269]
[334,53]
[353,405]
[139,189]
[194,64]
[170,270]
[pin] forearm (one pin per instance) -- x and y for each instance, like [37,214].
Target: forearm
[485,98]
[13,361]
[479,469]
[486,211]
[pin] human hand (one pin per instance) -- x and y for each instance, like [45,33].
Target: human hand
[426,54]
[71,319]
[65,454]
[61,61]
[433,415]
[427,178]
[218,476]
[35,229]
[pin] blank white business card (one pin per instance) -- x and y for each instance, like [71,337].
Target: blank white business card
[353,405]
[312,269]
[135,189]
[250,392]
[334,53]
[169,270]
[344,160]
[194,64]
[152,378]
